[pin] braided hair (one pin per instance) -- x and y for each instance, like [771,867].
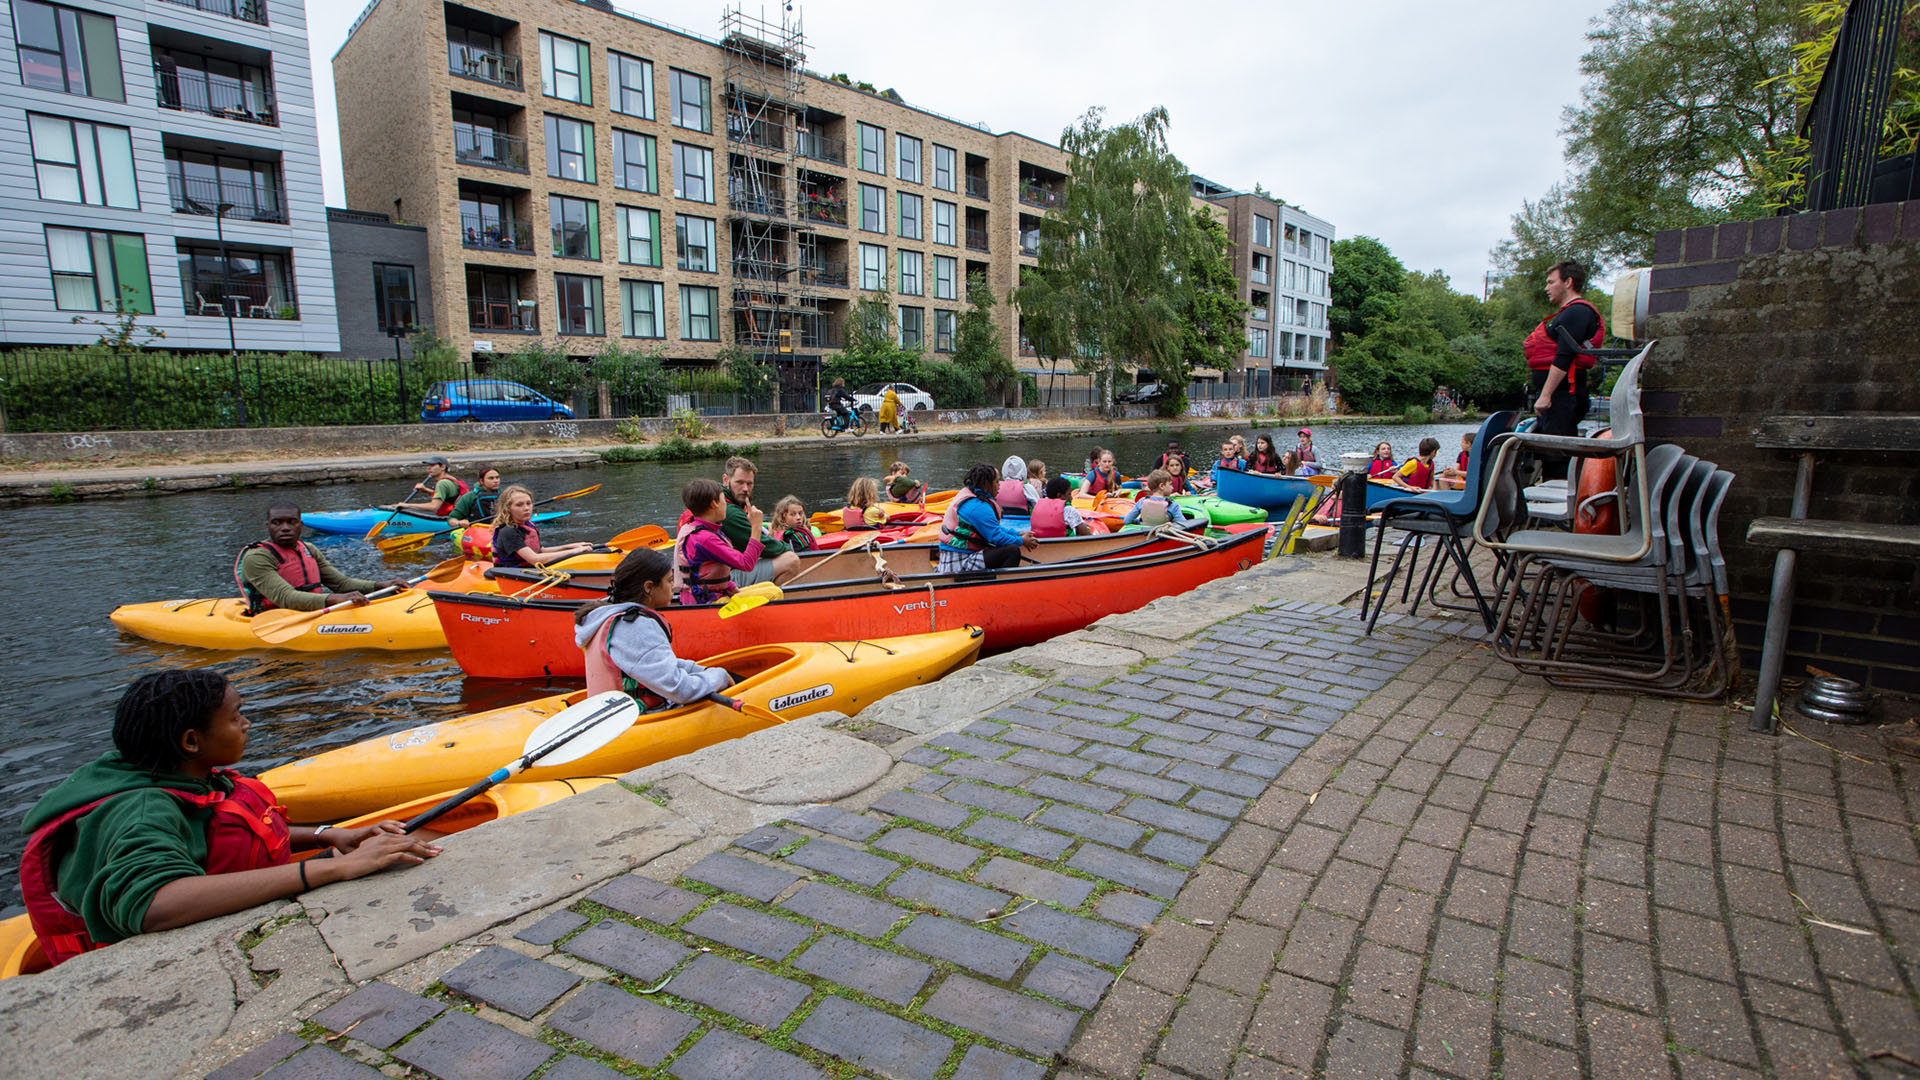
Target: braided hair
[983,480]
[160,707]
[639,568]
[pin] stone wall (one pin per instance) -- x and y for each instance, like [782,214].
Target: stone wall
[1815,313]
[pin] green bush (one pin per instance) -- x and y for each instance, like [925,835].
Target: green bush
[676,448]
[952,386]
[1416,414]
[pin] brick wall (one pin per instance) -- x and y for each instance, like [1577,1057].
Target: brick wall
[1815,313]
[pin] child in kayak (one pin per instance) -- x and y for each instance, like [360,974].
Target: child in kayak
[1036,485]
[158,833]
[629,646]
[704,560]
[1263,459]
[1011,493]
[972,537]
[1291,465]
[860,509]
[1458,470]
[1417,473]
[1382,464]
[790,524]
[1176,469]
[478,504]
[901,486]
[1103,478]
[1155,506]
[1230,458]
[516,540]
[1054,514]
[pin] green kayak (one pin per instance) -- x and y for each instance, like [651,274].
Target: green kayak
[1221,512]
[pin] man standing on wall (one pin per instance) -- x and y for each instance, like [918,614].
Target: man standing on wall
[1557,365]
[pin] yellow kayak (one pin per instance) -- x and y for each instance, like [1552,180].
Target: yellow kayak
[20,950]
[791,680]
[402,621]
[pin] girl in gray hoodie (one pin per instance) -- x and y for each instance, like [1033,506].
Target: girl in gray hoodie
[629,646]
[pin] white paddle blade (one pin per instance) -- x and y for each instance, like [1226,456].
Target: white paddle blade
[581,729]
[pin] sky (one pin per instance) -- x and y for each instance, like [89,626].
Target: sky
[1403,120]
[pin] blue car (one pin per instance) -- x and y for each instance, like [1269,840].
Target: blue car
[488,399]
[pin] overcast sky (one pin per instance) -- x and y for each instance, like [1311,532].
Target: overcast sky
[1421,124]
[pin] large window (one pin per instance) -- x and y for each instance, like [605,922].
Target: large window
[197,183]
[697,306]
[873,267]
[630,84]
[943,331]
[910,269]
[692,100]
[1263,231]
[246,284]
[693,239]
[576,227]
[913,327]
[692,172]
[393,301]
[642,310]
[564,71]
[906,153]
[943,216]
[206,84]
[873,208]
[943,167]
[944,286]
[873,149]
[639,236]
[99,271]
[1262,265]
[75,52]
[570,149]
[634,166]
[83,163]
[579,299]
[1256,342]
[910,227]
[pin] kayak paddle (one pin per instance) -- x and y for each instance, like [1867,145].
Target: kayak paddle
[394,545]
[377,529]
[276,626]
[747,707]
[569,495]
[752,596]
[568,735]
[644,536]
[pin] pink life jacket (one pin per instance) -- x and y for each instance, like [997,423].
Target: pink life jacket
[298,567]
[853,517]
[1050,518]
[248,831]
[604,675]
[1012,496]
[950,533]
[697,589]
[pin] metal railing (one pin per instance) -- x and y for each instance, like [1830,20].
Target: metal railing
[976,239]
[827,276]
[488,67]
[192,91]
[752,133]
[803,338]
[760,269]
[976,186]
[489,148]
[1041,195]
[503,316]
[489,234]
[821,148]
[192,196]
[1844,126]
[830,208]
[224,297]
[253,11]
[759,204]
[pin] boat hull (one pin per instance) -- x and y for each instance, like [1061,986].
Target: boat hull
[395,624]
[358,522]
[1275,494]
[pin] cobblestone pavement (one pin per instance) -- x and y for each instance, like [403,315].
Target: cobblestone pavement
[1288,850]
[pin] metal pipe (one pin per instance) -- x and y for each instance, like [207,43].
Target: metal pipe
[1780,609]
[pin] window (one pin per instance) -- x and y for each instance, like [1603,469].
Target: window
[906,153]
[570,149]
[1300,313]
[692,172]
[873,266]
[1319,283]
[1292,240]
[196,83]
[639,236]
[693,239]
[579,299]
[913,327]
[873,149]
[910,268]
[1262,231]
[1316,349]
[943,274]
[83,163]
[576,227]
[75,52]
[692,100]
[1262,265]
[1319,317]
[99,271]
[393,295]
[563,69]
[942,331]
[873,208]
[641,309]
[1292,278]
[697,304]
[1319,248]
[910,227]
[246,283]
[943,168]
[1256,342]
[630,82]
[1260,307]
[197,183]
[943,215]
[634,167]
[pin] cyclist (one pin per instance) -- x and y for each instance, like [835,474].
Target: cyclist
[840,401]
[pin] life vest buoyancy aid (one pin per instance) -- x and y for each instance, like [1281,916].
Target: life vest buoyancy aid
[800,539]
[248,831]
[1012,495]
[511,559]
[853,517]
[957,535]
[298,567]
[687,571]
[1422,474]
[1050,518]
[446,508]
[1540,348]
[604,675]
[1154,510]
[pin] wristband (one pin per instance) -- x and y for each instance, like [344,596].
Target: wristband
[303,876]
[320,829]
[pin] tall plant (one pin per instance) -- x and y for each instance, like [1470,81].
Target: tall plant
[977,344]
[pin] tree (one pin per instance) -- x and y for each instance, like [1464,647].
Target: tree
[1213,326]
[1108,288]
[1363,269]
[977,347]
[753,377]
[634,377]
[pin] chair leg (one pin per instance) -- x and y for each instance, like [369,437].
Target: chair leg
[1386,586]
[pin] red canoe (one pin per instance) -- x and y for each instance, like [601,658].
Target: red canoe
[500,637]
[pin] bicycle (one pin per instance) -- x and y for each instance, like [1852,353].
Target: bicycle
[831,425]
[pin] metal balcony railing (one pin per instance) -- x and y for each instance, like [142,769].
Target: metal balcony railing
[489,234]
[976,239]
[1040,194]
[763,135]
[488,67]
[826,276]
[503,316]
[190,195]
[828,207]
[253,11]
[759,204]
[212,95]
[976,186]
[821,148]
[760,270]
[240,299]
[490,148]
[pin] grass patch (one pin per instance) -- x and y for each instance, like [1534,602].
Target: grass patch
[61,491]
[994,436]
[646,791]
[677,448]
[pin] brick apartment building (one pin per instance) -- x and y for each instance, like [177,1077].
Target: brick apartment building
[1282,257]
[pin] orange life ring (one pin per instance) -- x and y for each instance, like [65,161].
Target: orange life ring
[1599,517]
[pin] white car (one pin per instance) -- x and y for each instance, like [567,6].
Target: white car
[867,398]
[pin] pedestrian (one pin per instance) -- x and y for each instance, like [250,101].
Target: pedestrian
[1557,363]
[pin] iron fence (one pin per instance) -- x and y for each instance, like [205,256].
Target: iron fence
[1844,124]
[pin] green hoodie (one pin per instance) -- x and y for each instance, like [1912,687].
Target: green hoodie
[120,853]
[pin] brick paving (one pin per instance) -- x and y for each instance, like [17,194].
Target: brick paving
[1290,850]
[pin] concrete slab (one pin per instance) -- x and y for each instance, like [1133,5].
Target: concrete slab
[788,765]
[957,698]
[1173,618]
[1074,650]
[303,977]
[492,874]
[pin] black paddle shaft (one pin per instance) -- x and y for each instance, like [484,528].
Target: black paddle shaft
[505,771]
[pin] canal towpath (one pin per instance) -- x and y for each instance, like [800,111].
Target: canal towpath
[1227,836]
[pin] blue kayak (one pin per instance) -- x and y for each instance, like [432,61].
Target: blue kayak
[1275,493]
[357,522]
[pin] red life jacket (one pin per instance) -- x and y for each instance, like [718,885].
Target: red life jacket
[248,831]
[1050,518]
[1381,467]
[1097,482]
[1422,474]
[1539,348]
[1012,495]
[298,566]
[446,508]
[512,558]
[604,675]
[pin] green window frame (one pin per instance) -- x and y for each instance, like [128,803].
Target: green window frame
[566,68]
[99,271]
[68,50]
[570,149]
[636,162]
[80,162]
[576,227]
[639,236]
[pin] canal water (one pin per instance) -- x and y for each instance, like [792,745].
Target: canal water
[63,665]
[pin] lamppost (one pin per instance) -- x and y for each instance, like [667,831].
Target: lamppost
[226,267]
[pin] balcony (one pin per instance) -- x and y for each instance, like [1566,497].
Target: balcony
[253,11]
[1036,194]
[821,148]
[825,206]
[239,298]
[491,234]
[498,69]
[976,239]
[186,90]
[833,277]
[489,148]
[193,196]
[976,188]
[758,204]
[1029,242]
[504,316]
[748,132]
[760,270]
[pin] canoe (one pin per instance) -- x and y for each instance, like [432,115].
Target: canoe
[1275,494]
[790,679]
[20,950]
[358,522]
[1221,511]
[505,638]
